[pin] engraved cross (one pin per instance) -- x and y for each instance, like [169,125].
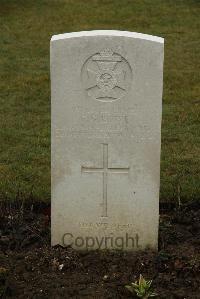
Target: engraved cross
[105,170]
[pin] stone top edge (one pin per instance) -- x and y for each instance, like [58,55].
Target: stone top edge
[108,33]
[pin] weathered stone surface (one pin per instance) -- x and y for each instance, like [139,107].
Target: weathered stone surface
[106,91]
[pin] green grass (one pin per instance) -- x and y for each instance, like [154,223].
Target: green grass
[26,29]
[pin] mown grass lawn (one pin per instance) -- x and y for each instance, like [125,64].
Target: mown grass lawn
[26,29]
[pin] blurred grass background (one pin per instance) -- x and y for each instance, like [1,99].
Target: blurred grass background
[26,29]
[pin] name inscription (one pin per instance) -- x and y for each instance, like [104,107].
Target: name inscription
[105,125]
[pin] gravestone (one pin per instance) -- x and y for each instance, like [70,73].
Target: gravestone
[106,89]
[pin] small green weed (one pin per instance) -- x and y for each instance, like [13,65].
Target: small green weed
[142,288]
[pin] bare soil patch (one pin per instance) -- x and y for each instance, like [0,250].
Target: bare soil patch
[31,268]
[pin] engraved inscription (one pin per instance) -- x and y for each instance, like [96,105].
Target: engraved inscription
[106,76]
[105,170]
[105,225]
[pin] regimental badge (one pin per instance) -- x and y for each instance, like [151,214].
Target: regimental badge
[106,76]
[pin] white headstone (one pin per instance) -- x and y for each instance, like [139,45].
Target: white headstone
[106,91]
